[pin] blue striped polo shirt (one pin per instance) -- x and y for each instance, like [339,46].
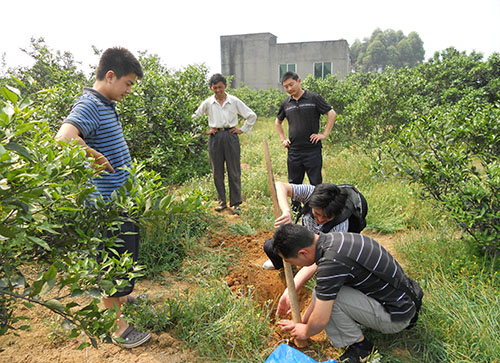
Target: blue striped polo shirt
[96,119]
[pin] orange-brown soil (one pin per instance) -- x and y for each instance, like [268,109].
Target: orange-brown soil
[38,344]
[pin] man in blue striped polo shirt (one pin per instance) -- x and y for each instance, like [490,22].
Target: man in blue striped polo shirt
[355,282]
[93,122]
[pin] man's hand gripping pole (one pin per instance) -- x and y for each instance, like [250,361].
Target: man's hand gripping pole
[292,292]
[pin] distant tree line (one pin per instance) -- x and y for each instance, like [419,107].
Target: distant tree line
[387,48]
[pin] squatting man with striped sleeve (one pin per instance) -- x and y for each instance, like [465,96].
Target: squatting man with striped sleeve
[358,285]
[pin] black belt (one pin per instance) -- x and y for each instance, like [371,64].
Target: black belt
[223,128]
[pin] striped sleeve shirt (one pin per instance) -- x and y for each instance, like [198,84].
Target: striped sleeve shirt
[302,193]
[370,256]
[96,119]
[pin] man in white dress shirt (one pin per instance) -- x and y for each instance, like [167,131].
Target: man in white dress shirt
[224,145]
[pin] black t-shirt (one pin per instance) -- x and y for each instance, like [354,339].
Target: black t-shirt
[303,119]
[370,256]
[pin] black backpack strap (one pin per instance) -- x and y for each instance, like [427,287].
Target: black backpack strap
[346,213]
[304,210]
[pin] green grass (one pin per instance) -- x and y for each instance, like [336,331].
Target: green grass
[207,264]
[223,326]
[459,319]
[166,240]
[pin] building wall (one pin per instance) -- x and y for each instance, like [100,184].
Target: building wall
[247,57]
[254,59]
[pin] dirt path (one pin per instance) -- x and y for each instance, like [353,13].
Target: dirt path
[42,344]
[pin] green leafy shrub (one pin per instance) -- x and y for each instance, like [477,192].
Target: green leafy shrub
[55,71]
[48,226]
[42,188]
[265,103]
[388,102]
[371,106]
[157,120]
[451,75]
[455,157]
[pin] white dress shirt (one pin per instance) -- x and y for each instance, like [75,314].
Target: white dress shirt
[226,116]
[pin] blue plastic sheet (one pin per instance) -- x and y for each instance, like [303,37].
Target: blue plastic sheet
[285,353]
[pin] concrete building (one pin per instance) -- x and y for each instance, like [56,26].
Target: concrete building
[258,61]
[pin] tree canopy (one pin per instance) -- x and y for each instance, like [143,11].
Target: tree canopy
[387,48]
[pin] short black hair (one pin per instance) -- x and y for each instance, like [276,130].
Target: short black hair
[119,60]
[216,78]
[290,238]
[288,75]
[329,198]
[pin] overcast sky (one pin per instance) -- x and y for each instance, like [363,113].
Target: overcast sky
[188,31]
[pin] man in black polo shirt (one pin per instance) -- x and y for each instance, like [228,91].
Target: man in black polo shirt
[355,282]
[303,110]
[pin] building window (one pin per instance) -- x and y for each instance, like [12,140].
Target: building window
[290,67]
[322,69]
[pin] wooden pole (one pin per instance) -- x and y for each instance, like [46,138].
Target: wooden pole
[290,284]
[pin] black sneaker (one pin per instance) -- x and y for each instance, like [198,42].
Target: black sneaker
[357,352]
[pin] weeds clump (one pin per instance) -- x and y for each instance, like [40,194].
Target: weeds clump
[166,240]
[223,326]
[210,264]
[148,315]
[462,295]
[220,324]
[241,228]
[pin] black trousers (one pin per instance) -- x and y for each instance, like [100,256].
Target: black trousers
[301,162]
[224,148]
[275,259]
[127,241]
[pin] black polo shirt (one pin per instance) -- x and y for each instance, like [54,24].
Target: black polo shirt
[303,119]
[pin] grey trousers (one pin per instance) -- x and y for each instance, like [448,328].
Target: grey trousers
[224,148]
[352,311]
